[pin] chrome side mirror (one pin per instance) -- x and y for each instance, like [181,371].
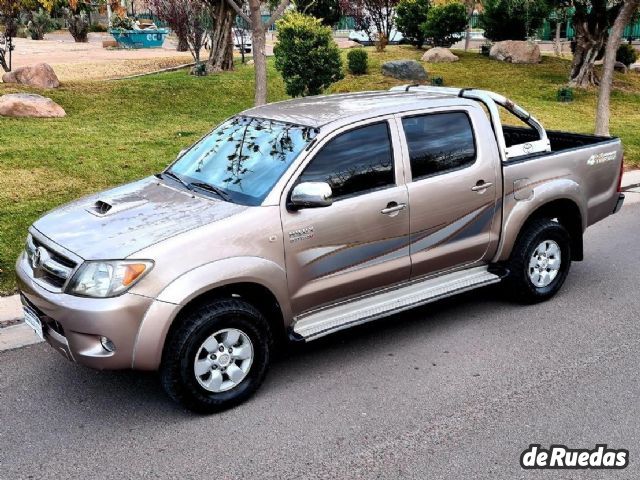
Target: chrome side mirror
[312,195]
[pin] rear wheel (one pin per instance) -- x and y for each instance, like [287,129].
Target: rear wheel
[217,357]
[540,262]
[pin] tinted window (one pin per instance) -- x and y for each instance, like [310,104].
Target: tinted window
[439,142]
[244,157]
[357,161]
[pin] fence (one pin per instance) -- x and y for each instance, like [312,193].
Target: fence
[548,29]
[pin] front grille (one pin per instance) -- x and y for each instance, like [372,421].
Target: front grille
[47,264]
[55,256]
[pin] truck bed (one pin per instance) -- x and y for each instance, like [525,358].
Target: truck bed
[560,141]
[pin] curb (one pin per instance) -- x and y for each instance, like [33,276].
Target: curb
[17,336]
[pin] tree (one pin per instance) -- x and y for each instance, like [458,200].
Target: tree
[626,13]
[328,11]
[376,17]
[470,5]
[306,55]
[222,19]
[444,24]
[190,16]
[410,15]
[591,22]
[512,19]
[259,30]
[76,13]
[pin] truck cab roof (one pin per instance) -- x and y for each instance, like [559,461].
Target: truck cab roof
[349,107]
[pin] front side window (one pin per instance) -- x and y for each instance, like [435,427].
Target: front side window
[439,143]
[243,158]
[354,162]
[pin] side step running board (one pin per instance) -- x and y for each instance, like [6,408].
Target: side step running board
[365,309]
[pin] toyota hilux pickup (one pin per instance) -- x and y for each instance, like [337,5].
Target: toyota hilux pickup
[294,220]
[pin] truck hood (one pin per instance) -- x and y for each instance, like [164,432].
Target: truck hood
[117,223]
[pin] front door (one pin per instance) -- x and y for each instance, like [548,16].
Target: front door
[361,242]
[453,188]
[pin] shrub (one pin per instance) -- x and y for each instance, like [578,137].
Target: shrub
[358,61]
[512,19]
[626,54]
[78,25]
[445,24]
[410,17]
[565,94]
[306,55]
[40,23]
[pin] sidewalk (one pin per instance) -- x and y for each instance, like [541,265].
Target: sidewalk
[14,333]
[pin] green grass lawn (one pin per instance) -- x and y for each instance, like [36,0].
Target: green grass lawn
[118,131]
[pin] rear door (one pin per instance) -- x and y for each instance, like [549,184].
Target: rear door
[361,242]
[454,185]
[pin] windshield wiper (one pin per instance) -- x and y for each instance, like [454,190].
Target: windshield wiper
[212,188]
[169,173]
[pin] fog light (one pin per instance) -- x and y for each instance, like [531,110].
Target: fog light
[107,344]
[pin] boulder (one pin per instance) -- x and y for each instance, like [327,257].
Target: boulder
[40,75]
[29,105]
[516,51]
[635,68]
[620,67]
[405,70]
[439,55]
[352,44]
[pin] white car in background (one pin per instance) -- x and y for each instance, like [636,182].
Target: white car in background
[242,40]
[364,38]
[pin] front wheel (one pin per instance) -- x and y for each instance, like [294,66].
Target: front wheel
[540,262]
[217,357]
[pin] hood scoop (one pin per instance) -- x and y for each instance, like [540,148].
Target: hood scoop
[107,207]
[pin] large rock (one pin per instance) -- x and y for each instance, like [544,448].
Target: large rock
[40,75]
[29,105]
[405,70]
[635,68]
[620,67]
[439,55]
[516,51]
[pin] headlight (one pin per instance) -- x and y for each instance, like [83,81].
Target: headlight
[102,279]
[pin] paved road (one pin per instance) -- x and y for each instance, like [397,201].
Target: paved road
[453,390]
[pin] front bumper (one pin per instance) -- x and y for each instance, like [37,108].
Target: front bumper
[74,325]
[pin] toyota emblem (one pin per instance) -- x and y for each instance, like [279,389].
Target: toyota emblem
[39,257]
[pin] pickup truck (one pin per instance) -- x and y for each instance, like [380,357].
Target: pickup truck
[294,220]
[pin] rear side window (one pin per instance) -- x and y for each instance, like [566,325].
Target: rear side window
[439,143]
[354,162]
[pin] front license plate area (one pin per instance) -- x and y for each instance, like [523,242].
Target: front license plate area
[31,319]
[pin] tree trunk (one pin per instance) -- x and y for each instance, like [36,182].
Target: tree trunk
[259,39]
[615,37]
[556,42]
[588,48]
[591,29]
[467,38]
[183,43]
[221,53]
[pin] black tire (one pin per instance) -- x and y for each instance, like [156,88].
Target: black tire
[520,286]
[177,370]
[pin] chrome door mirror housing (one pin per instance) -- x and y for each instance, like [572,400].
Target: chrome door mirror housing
[312,195]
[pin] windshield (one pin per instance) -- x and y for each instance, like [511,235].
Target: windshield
[243,158]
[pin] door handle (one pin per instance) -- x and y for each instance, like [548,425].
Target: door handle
[393,207]
[481,186]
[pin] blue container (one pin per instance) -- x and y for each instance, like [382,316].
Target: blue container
[140,38]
